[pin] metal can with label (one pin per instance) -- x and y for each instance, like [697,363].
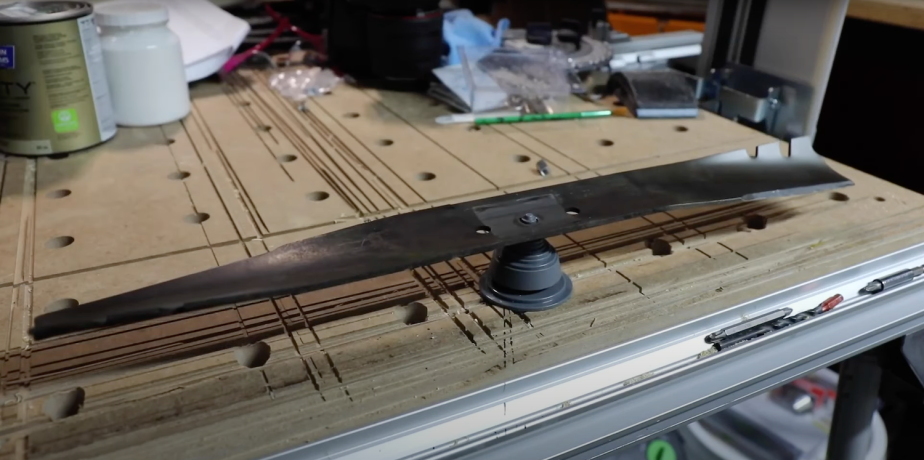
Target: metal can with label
[54,97]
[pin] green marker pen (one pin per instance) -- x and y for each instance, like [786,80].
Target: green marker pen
[543,117]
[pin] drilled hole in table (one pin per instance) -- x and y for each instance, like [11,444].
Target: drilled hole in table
[245,104]
[61,304]
[880,199]
[171,141]
[196,218]
[426,176]
[59,242]
[318,196]
[253,355]
[681,129]
[838,196]
[572,211]
[520,158]
[64,404]
[286,158]
[474,128]
[605,143]
[660,247]
[60,193]
[386,142]
[351,115]
[412,313]
[178,175]
[265,128]
[756,222]
[483,230]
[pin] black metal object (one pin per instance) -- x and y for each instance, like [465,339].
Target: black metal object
[392,44]
[539,33]
[428,236]
[571,31]
[655,93]
[732,32]
[851,426]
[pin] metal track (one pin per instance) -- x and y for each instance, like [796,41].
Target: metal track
[424,237]
[586,407]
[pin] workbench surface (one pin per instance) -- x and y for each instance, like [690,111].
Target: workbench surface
[904,13]
[247,172]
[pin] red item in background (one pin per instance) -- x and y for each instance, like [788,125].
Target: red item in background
[284,25]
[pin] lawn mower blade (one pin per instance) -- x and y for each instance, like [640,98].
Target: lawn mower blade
[429,236]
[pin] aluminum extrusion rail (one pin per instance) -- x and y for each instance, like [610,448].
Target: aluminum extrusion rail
[592,405]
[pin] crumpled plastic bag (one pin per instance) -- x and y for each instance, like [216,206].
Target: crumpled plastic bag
[462,28]
[302,83]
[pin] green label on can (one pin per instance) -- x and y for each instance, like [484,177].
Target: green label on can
[65,121]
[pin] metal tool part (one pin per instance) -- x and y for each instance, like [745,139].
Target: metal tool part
[543,168]
[749,334]
[584,54]
[828,304]
[763,325]
[766,324]
[765,318]
[600,26]
[763,101]
[601,31]
[893,280]
[570,31]
[428,236]
[539,33]
[641,51]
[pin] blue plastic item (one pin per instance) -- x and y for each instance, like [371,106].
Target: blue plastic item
[462,28]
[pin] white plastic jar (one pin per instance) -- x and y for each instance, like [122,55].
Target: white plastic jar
[144,64]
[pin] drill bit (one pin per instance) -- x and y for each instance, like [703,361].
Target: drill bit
[543,168]
[895,279]
[828,304]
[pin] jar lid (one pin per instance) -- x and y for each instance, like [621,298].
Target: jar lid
[130,14]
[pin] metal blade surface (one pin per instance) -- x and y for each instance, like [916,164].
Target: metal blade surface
[423,237]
